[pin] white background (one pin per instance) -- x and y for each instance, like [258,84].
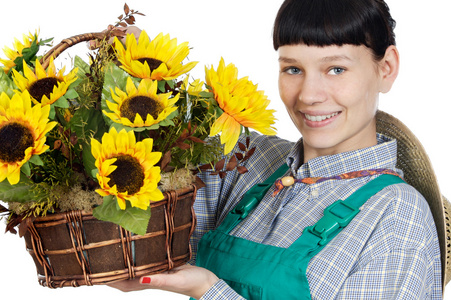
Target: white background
[240,31]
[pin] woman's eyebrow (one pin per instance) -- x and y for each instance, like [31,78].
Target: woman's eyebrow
[287,59]
[324,59]
[335,58]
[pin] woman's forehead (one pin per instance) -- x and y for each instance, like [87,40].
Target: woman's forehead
[300,52]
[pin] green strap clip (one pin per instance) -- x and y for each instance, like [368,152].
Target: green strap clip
[338,215]
[253,197]
[256,193]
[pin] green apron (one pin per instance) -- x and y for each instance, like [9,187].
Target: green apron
[258,271]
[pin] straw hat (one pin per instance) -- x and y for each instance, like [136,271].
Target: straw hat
[418,172]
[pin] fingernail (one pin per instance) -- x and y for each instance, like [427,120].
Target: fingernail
[145,280]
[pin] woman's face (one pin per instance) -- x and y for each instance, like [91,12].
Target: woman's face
[331,94]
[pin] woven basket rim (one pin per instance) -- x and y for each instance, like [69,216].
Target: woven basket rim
[70,259]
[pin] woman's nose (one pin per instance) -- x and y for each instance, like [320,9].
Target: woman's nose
[312,89]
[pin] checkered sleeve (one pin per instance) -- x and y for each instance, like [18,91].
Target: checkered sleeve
[404,260]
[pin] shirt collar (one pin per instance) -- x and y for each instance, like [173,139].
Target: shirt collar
[382,155]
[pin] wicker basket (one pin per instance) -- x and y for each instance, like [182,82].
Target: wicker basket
[75,249]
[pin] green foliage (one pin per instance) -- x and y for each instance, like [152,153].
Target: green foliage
[83,67]
[87,124]
[132,219]
[19,192]
[198,153]
[29,54]
[6,84]
[115,77]
[54,170]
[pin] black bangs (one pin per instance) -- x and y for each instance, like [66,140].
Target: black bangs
[335,22]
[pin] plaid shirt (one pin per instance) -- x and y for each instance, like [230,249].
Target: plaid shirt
[389,251]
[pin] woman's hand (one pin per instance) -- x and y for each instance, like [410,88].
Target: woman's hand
[188,280]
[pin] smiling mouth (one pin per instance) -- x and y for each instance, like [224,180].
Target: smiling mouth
[320,118]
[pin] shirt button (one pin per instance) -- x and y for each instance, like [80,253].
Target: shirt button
[287,181]
[314,193]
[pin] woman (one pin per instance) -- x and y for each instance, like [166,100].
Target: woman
[335,58]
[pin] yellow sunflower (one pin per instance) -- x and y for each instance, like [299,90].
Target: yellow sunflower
[194,88]
[159,59]
[17,50]
[242,103]
[142,106]
[44,88]
[126,168]
[22,133]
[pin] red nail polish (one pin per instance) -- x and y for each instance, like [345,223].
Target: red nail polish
[146,280]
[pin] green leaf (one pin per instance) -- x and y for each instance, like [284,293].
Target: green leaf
[52,112]
[153,127]
[89,162]
[94,173]
[119,127]
[61,102]
[6,84]
[45,42]
[206,94]
[36,160]
[166,122]
[162,86]
[71,94]
[83,67]
[171,83]
[19,192]
[218,111]
[87,123]
[26,169]
[132,219]
[114,77]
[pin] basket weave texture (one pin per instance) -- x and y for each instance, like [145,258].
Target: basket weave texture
[75,249]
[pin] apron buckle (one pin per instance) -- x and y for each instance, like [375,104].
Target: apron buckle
[251,199]
[338,215]
[244,208]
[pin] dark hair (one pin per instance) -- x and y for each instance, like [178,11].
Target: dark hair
[335,22]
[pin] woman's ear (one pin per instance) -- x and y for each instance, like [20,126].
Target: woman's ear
[389,68]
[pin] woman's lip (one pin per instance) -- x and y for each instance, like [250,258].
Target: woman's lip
[319,119]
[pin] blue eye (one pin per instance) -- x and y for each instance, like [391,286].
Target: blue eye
[292,70]
[336,71]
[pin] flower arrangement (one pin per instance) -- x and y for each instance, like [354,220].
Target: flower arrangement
[113,134]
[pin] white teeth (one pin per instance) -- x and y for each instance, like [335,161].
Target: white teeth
[320,118]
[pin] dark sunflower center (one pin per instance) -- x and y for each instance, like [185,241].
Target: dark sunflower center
[42,87]
[14,140]
[128,176]
[141,105]
[152,62]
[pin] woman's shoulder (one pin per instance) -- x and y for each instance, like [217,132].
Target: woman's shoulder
[407,197]
[409,211]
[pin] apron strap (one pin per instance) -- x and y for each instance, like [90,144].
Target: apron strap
[250,200]
[340,213]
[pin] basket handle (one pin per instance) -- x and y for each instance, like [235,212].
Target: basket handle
[69,42]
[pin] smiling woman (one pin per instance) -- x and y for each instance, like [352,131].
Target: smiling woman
[240,31]
[314,75]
